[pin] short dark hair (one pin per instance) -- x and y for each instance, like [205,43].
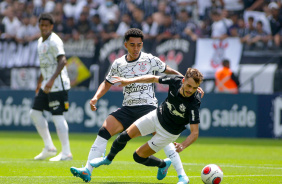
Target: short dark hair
[133,32]
[46,16]
[226,63]
[195,74]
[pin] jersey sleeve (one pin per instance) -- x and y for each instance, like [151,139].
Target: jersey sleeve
[195,116]
[194,111]
[113,72]
[58,46]
[157,64]
[169,79]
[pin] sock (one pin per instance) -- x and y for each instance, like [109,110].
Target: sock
[175,159]
[41,126]
[149,161]
[97,150]
[118,145]
[63,132]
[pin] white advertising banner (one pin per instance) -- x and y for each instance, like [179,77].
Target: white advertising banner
[24,78]
[211,52]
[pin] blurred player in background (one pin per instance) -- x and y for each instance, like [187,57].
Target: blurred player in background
[139,99]
[52,91]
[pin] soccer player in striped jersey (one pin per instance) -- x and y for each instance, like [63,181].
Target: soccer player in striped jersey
[52,91]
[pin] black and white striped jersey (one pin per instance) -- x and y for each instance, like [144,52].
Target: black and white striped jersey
[137,93]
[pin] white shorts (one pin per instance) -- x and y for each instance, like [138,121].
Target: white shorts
[149,124]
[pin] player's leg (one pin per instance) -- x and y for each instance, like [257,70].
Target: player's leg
[176,162]
[159,141]
[58,104]
[118,145]
[143,126]
[116,122]
[41,125]
[63,134]
[144,155]
[110,127]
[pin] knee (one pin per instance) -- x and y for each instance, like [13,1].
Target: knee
[138,159]
[123,137]
[34,114]
[60,123]
[104,133]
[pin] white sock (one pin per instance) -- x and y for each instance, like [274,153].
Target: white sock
[41,126]
[97,150]
[175,159]
[63,132]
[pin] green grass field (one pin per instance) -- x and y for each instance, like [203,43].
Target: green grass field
[254,161]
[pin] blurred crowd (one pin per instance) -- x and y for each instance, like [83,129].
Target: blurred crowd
[102,20]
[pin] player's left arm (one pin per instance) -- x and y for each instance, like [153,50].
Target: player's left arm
[169,70]
[62,61]
[194,128]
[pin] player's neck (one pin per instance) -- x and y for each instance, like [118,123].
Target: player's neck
[46,37]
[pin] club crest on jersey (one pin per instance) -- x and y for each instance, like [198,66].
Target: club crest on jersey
[142,67]
[182,107]
[44,48]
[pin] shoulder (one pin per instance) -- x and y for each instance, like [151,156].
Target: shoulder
[54,38]
[196,99]
[148,56]
[120,59]
[144,54]
[40,40]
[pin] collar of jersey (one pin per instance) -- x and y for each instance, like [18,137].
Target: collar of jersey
[132,60]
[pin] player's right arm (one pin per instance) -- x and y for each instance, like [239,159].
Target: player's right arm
[102,90]
[40,79]
[104,86]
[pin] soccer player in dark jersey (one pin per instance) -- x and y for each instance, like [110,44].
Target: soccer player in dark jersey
[139,99]
[181,107]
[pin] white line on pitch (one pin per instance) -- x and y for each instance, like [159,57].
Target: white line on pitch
[229,176]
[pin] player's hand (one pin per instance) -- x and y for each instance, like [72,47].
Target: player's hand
[178,147]
[48,86]
[37,88]
[201,91]
[119,81]
[92,103]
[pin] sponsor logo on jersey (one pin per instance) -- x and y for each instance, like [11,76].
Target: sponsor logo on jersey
[165,79]
[173,110]
[136,101]
[132,89]
[171,94]
[193,115]
[182,107]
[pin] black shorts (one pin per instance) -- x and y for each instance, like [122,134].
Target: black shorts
[55,102]
[127,115]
